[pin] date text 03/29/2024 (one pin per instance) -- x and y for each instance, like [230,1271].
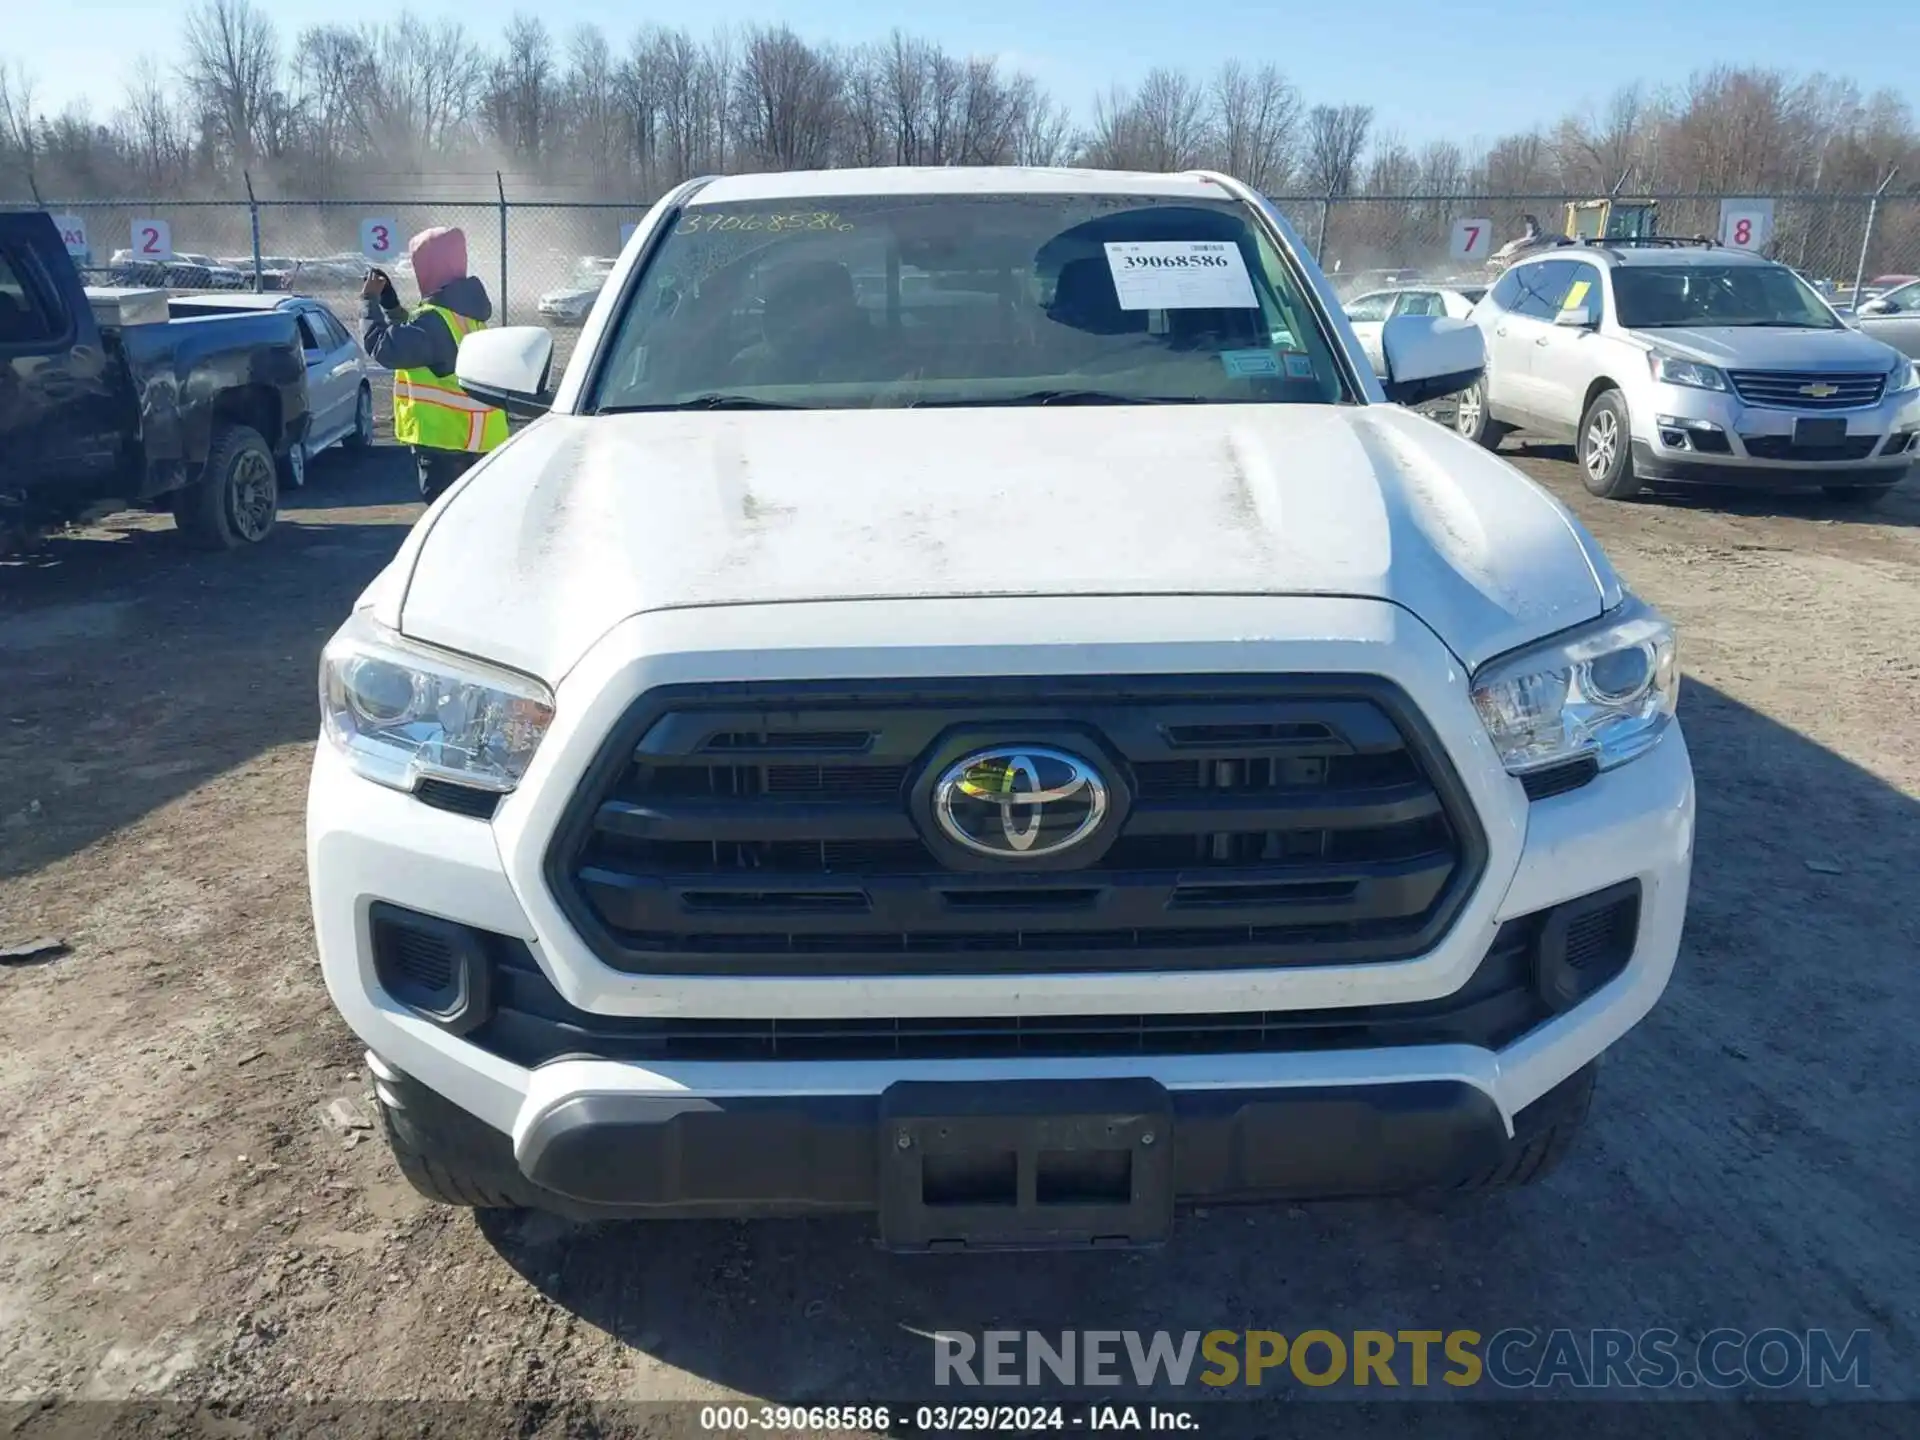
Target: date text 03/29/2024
[943,1419]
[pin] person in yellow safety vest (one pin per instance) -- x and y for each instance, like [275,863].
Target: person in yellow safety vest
[447,429]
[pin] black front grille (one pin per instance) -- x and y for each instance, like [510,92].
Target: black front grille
[1782,447]
[532,1025]
[1807,390]
[782,830]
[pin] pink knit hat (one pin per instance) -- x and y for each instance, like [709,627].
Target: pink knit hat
[439,257]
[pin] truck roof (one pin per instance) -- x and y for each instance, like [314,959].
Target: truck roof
[955,180]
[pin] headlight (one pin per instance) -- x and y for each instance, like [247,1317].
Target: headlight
[1905,377]
[1672,370]
[401,712]
[1607,690]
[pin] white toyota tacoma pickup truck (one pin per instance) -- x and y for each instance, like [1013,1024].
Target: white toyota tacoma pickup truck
[972,703]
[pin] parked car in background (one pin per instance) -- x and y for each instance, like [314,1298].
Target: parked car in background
[106,403]
[218,276]
[1893,317]
[327,272]
[572,302]
[1692,364]
[339,375]
[1369,313]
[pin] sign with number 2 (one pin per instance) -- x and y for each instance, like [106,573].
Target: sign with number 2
[152,240]
[380,239]
[1472,239]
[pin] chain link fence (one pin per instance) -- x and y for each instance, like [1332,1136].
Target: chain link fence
[1833,240]
[527,251]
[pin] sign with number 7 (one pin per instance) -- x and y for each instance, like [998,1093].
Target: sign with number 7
[1472,240]
[152,240]
[380,240]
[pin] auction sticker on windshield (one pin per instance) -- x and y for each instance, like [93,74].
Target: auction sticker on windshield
[1180,275]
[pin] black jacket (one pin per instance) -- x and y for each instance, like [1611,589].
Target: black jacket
[397,343]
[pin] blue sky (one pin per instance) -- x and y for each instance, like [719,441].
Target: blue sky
[1431,71]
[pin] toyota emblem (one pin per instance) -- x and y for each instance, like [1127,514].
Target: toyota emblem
[1020,801]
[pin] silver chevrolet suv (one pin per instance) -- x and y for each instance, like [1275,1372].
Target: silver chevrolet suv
[1674,361]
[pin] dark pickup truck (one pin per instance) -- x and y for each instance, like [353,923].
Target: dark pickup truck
[197,417]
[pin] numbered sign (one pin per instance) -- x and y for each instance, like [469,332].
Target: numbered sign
[626,233]
[1471,240]
[152,240]
[73,233]
[380,240]
[1746,224]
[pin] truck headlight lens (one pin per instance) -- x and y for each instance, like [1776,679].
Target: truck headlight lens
[401,712]
[1672,370]
[1607,690]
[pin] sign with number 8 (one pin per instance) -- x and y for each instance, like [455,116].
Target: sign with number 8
[380,239]
[152,240]
[1746,224]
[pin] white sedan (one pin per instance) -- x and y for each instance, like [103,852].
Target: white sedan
[1370,312]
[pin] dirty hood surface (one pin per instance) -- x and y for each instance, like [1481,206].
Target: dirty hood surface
[580,522]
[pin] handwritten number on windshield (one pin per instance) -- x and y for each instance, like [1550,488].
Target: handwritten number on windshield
[815,221]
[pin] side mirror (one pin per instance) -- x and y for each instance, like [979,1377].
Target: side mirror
[1578,318]
[1428,356]
[1874,307]
[509,367]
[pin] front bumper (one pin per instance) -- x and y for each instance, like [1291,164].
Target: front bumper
[1711,437]
[635,1156]
[1280,1121]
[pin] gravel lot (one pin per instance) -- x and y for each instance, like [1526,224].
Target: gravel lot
[175,1219]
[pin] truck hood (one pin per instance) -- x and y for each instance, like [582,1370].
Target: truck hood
[578,523]
[1754,347]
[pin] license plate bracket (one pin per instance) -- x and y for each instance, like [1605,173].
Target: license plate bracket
[1819,433]
[1015,1165]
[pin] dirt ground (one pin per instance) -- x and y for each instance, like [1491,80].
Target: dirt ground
[175,1219]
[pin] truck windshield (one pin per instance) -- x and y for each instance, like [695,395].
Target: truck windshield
[904,300]
[1654,297]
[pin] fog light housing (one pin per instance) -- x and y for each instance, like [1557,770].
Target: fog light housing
[437,969]
[1585,943]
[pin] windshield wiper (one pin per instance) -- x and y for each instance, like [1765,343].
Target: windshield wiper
[1072,397]
[702,402]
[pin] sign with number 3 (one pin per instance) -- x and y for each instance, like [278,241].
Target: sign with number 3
[1472,240]
[380,239]
[152,240]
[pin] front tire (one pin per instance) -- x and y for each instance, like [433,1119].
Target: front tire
[237,497]
[292,468]
[1470,419]
[1536,1157]
[1606,448]
[362,435]
[434,1164]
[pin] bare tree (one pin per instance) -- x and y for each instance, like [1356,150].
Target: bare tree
[18,130]
[1256,120]
[788,99]
[522,98]
[1045,134]
[1336,138]
[597,136]
[154,135]
[232,73]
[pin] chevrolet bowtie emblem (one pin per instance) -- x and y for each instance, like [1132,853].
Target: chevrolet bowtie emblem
[1819,390]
